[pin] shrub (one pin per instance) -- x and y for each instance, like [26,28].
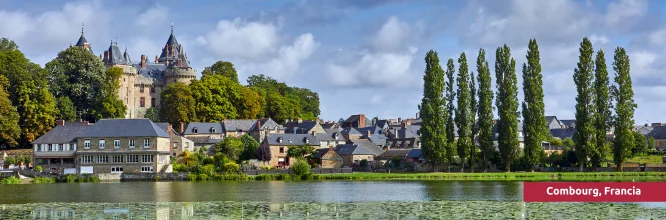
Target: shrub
[70,178]
[364,163]
[192,177]
[264,177]
[230,168]
[300,168]
[179,168]
[283,176]
[202,177]
[43,180]
[38,169]
[208,170]
[10,180]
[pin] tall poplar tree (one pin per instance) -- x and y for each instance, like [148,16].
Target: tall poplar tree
[507,106]
[433,112]
[623,119]
[474,106]
[534,121]
[485,109]
[583,77]
[450,108]
[602,109]
[463,111]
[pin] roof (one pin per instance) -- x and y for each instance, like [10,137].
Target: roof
[82,42]
[328,125]
[367,144]
[204,140]
[352,149]
[409,131]
[62,134]
[115,56]
[350,131]
[291,139]
[397,152]
[172,52]
[643,129]
[153,71]
[372,129]
[382,123]
[569,122]
[244,125]
[268,123]
[330,135]
[126,56]
[563,133]
[658,132]
[141,127]
[303,126]
[378,139]
[414,153]
[203,128]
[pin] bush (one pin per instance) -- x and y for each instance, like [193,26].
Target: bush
[43,180]
[10,180]
[38,169]
[70,178]
[192,177]
[230,168]
[300,168]
[208,170]
[179,168]
[202,177]
[364,163]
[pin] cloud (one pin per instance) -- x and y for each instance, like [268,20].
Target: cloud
[287,61]
[375,69]
[624,13]
[152,16]
[242,39]
[394,35]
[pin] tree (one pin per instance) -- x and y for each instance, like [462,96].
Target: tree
[485,109]
[640,145]
[111,106]
[650,144]
[66,109]
[249,104]
[79,75]
[37,110]
[222,68]
[177,104]
[250,146]
[281,108]
[474,108]
[450,108]
[232,147]
[263,153]
[534,121]
[300,168]
[507,105]
[152,114]
[463,109]
[214,96]
[307,99]
[623,119]
[602,111]
[584,136]
[432,112]
[10,132]
[301,151]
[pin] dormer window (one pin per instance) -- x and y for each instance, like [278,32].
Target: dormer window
[290,141]
[279,140]
[307,140]
[195,130]
[212,130]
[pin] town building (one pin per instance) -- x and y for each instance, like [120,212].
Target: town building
[179,143]
[279,144]
[54,151]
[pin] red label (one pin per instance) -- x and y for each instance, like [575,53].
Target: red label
[594,192]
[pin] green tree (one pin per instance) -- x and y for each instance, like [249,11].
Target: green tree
[640,145]
[485,109]
[249,104]
[623,119]
[177,104]
[583,77]
[602,111]
[474,108]
[507,106]
[281,108]
[301,151]
[66,109]
[650,144]
[462,117]
[111,106]
[152,114]
[568,142]
[222,68]
[214,96]
[451,148]
[534,120]
[232,147]
[308,100]
[250,147]
[300,168]
[10,131]
[433,112]
[37,110]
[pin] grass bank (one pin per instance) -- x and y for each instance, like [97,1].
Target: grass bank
[526,176]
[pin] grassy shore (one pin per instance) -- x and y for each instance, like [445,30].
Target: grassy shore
[525,176]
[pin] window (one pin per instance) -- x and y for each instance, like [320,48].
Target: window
[281,150]
[132,158]
[141,89]
[212,130]
[102,159]
[117,158]
[195,130]
[74,147]
[175,145]
[86,159]
[147,169]
[116,169]
[60,147]
[86,144]
[152,102]
[187,145]
[142,102]
[116,144]
[146,158]
[131,143]
[50,147]
[146,143]
[101,144]
[152,89]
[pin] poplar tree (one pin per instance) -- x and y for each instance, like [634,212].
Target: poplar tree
[474,106]
[485,109]
[450,109]
[602,109]
[584,138]
[463,111]
[507,106]
[534,121]
[433,111]
[623,121]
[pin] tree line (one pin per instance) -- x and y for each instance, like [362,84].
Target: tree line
[600,107]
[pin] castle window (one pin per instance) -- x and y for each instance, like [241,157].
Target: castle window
[152,89]
[152,102]
[141,89]
[142,102]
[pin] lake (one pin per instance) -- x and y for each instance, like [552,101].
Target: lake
[297,200]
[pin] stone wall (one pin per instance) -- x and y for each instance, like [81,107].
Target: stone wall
[153,176]
[109,176]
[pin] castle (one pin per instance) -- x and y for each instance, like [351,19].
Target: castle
[143,82]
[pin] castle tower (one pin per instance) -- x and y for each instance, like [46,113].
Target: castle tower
[113,58]
[82,42]
[175,59]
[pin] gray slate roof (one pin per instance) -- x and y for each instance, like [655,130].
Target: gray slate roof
[304,126]
[124,128]
[658,132]
[350,131]
[153,71]
[414,153]
[268,123]
[409,131]
[330,135]
[401,153]
[367,144]
[291,139]
[115,56]
[203,128]
[62,134]
[204,140]
[82,42]
[352,149]
[372,129]
[569,122]
[563,133]
[378,139]
[244,125]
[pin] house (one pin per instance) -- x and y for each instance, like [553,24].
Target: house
[552,122]
[548,149]
[203,134]
[303,127]
[328,158]
[563,133]
[55,150]
[642,129]
[351,133]
[266,126]
[238,127]
[356,121]
[395,153]
[332,137]
[134,146]
[659,135]
[415,156]
[352,154]
[377,138]
[407,136]
[179,144]
[521,137]
[568,123]
[279,145]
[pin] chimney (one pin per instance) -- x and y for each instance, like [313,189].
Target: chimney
[170,127]
[156,58]
[60,122]
[399,120]
[361,121]
[300,120]
[367,133]
[404,124]
[409,121]
[179,63]
[180,48]
[258,125]
[143,61]
[182,127]
[331,147]
[106,56]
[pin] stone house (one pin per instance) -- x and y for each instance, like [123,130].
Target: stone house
[351,133]
[328,158]
[352,154]
[179,144]
[123,146]
[238,127]
[266,126]
[279,145]
[659,135]
[553,123]
[406,136]
[55,150]
[332,137]
[356,121]
[303,127]
[203,134]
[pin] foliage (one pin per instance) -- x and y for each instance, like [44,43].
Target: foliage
[602,111]
[249,104]
[66,109]
[207,170]
[650,144]
[584,136]
[38,169]
[214,96]
[623,95]
[250,147]
[10,131]
[450,152]
[301,151]
[11,180]
[152,114]
[432,111]
[305,101]
[640,145]
[230,168]
[533,107]
[222,68]
[568,142]
[300,168]
[43,180]
[111,106]
[395,161]
[232,147]
[462,117]
[179,168]
[263,153]
[177,104]
[507,105]
[363,163]
[474,108]
[485,108]
[281,108]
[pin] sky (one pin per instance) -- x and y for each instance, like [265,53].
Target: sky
[362,56]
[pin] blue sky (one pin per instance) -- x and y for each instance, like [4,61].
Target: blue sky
[361,56]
